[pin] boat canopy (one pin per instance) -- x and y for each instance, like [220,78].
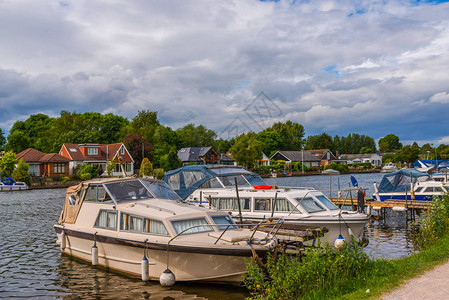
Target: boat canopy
[8,181]
[400,180]
[187,179]
[429,163]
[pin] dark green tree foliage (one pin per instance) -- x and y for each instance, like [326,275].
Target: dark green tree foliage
[389,143]
[354,143]
[2,139]
[170,161]
[247,150]
[138,147]
[164,139]
[291,134]
[198,136]
[145,123]
[17,141]
[271,140]
[223,146]
[21,172]
[322,141]
[408,154]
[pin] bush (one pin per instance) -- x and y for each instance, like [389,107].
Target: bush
[87,172]
[432,224]
[294,277]
[159,173]
[299,167]
[146,168]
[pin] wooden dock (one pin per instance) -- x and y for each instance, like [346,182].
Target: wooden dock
[413,204]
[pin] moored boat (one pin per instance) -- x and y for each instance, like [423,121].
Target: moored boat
[216,185]
[134,222]
[389,168]
[9,184]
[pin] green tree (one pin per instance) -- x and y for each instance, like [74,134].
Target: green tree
[8,163]
[364,150]
[21,172]
[110,167]
[138,147]
[223,145]
[170,160]
[322,141]
[389,143]
[291,134]
[408,154]
[17,141]
[247,150]
[146,168]
[145,123]
[2,139]
[196,136]
[87,171]
[271,141]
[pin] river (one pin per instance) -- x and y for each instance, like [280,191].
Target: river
[31,264]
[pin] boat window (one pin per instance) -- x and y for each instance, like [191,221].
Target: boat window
[174,181]
[193,224]
[190,178]
[96,192]
[128,190]
[229,181]
[161,190]
[254,180]
[131,223]
[231,203]
[310,205]
[329,204]
[225,220]
[418,190]
[106,219]
[433,189]
[212,183]
[283,205]
[262,204]
[220,171]
[154,227]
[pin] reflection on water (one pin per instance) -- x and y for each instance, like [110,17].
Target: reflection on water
[31,264]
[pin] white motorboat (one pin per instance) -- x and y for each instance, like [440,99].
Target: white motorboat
[389,168]
[216,185]
[140,227]
[409,184]
[9,184]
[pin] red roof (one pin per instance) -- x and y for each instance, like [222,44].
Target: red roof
[33,155]
[106,152]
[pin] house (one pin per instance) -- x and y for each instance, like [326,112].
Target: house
[203,155]
[372,158]
[44,164]
[325,155]
[265,161]
[307,158]
[98,154]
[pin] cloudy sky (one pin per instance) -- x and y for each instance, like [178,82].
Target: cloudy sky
[368,67]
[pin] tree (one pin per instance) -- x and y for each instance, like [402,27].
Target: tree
[223,145]
[21,172]
[17,141]
[389,143]
[138,147]
[407,154]
[146,168]
[247,150]
[110,167]
[322,141]
[291,134]
[8,163]
[271,141]
[170,160]
[145,123]
[87,171]
[2,139]
[198,136]
[364,150]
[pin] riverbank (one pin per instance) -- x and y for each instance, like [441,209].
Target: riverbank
[52,185]
[313,173]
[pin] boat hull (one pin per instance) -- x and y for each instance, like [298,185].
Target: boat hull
[188,263]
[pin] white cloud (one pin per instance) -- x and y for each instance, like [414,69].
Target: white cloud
[204,63]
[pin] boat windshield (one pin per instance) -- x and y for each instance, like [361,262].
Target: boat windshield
[128,190]
[310,205]
[224,220]
[329,204]
[229,181]
[161,190]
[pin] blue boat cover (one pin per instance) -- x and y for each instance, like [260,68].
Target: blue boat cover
[438,164]
[187,179]
[400,180]
[8,181]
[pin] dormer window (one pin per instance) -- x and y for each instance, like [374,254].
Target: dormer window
[92,151]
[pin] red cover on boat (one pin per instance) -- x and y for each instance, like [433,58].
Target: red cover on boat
[263,187]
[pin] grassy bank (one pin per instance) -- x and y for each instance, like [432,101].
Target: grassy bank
[349,273]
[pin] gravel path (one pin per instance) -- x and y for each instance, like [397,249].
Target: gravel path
[431,285]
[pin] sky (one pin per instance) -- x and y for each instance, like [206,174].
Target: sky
[367,67]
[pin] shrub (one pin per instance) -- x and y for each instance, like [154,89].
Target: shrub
[87,171]
[20,173]
[146,168]
[159,173]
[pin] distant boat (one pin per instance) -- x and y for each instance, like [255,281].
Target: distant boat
[9,184]
[389,168]
[330,172]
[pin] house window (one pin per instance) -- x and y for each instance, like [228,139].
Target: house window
[92,151]
[59,168]
[122,151]
[34,170]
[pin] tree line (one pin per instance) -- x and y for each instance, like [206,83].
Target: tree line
[146,137]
